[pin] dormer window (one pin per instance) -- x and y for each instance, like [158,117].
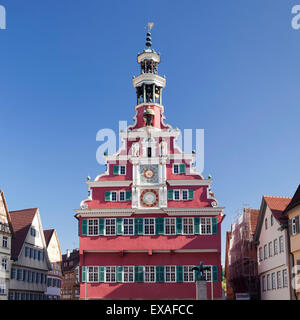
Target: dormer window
[119,170]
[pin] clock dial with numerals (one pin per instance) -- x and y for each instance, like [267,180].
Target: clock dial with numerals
[149,173]
[149,198]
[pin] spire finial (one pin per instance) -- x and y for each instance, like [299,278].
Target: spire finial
[148,38]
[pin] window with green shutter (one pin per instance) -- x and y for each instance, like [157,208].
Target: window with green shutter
[215,273]
[197,225]
[178,225]
[83,274]
[84,227]
[160,274]
[159,226]
[107,195]
[119,274]
[101,226]
[179,273]
[138,273]
[119,226]
[101,273]
[182,168]
[128,195]
[170,194]
[191,194]
[138,226]
[214,225]
[116,169]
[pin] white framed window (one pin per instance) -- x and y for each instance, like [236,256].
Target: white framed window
[294,226]
[265,252]
[110,226]
[5,242]
[281,246]
[176,195]
[170,226]
[93,274]
[270,249]
[263,283]
[170,273]
[188,274]
[273,281]
[268,282]
[176,168]
[113,196]
[4,264]
[93,226]
[279,283]
[285,278]
[122,196]
[122,170]
[275,247]
[266,224]
[128,274]
[32,231]
[188,225]
[110,274]
[185,194]
[149,273]
[272,220]
[205,225]
[149,226]
[207,274]
[128,225]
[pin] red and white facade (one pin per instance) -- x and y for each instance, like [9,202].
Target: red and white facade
[150,218]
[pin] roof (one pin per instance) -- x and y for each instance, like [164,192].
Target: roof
[254,214]
[277,205]
[21,221]
[7,212]
[74,256]
[295,201]
[48,234]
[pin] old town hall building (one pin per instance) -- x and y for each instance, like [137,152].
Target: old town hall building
[150,218]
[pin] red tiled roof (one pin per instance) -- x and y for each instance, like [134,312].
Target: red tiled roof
[295,201]
[48,235]
[21,221]
[254,214]
[277,205]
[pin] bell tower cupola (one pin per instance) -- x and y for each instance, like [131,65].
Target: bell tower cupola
[149,84]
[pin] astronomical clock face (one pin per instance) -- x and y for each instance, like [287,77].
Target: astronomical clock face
[149,173]
[149,198]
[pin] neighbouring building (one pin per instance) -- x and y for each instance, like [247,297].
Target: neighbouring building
[273,256]
[150,218]
[55,274]
[70,289]
[28,276]
[241,258]
[293,213]
[6,234]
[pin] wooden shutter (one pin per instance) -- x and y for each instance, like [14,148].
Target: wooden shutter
[178,225]
[159,226]
[214,225]
[84,227]
[116,169]
[215,273]
[138,273]
[83,274]
[101,273]
[128,195]
[196,225]
[170,194]
[119,276]
[182,168]
[101,226]
[179,273]
[119,226]
[191,194]
[138,226]
[107,195]
[160,273]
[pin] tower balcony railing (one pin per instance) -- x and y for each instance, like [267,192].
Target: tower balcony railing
[149,78]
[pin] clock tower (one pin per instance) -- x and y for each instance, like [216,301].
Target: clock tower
[150,218]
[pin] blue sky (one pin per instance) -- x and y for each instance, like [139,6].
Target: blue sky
[232,69]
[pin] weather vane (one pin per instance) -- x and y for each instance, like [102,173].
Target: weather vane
[150,25]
